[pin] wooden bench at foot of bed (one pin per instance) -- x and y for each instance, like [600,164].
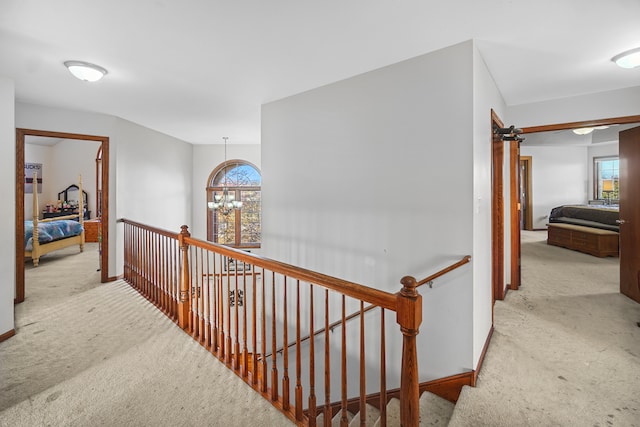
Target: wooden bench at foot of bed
[593,241]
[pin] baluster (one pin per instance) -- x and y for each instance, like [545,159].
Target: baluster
[383,372]
[312,363]
[298,350]
[236,299]
[221,328]
[229,346]
[274,355]
[254,351]
[214,304]
[204,285]
[327,364]
[175,297]
[363,371]
[245,360]
[263,336]
[344,420]
[285,346]
[209,303]
[195,295]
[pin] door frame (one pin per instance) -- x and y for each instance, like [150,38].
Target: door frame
[497,215]
[528,208]
[104,244]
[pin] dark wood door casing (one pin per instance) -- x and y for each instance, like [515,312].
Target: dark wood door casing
[629,154]
[497,216]
[19,213]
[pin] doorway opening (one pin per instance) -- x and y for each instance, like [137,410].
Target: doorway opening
[628,120]
[21,135]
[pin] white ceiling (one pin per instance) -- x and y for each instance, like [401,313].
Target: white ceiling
[563,138]
[200,69]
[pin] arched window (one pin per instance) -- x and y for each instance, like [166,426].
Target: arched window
[239,227]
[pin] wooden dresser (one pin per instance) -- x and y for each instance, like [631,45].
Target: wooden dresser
[91,228]
[593,241]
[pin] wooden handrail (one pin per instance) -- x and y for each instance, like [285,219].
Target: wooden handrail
[354,290]
[444,271]
[331,327]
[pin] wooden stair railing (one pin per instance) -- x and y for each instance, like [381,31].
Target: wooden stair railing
[240,306]
[428,280]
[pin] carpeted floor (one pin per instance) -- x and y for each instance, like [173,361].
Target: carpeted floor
[565,350]
[87,354]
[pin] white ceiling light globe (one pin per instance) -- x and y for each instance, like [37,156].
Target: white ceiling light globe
[85,71]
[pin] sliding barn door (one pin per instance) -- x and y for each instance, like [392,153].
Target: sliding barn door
[629,153]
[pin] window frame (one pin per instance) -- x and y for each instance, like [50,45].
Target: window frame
[212,224]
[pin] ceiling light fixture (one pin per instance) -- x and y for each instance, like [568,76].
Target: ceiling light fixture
[85,71]
[583,131]
[586,131]
[628,59]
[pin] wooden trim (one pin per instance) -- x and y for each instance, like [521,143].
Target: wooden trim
[587,123]
[476,372]
[497,211]
[528,219]
[449,387]
[19,213]
[515,212]
[7,335]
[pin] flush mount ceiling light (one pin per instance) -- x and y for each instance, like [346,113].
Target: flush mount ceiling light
[628,59]
[586,131]
[85,71]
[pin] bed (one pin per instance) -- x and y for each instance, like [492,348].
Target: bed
[47,235]
[591,229]
[596,216]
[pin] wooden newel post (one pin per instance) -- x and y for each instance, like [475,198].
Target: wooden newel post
[184,305]
[409,317]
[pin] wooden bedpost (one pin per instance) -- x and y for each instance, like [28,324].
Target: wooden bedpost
[35,255]
[81,211]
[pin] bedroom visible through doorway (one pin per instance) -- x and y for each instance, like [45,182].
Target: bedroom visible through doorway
[59,181]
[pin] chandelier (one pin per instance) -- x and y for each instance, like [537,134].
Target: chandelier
[225,203]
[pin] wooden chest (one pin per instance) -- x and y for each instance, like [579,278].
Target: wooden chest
[593,241]
[91,228]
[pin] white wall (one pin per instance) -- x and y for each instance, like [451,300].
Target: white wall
[616,103]
[486,96]
[370,179]
[7,193]
[62,163]
[34,153]
[559,176]
[205,159]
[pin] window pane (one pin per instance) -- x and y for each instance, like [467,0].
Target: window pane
[250,217]
[237,175]
[607,178]
[226,230]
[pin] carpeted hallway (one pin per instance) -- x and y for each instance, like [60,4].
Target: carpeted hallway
[87,354]
[565,352]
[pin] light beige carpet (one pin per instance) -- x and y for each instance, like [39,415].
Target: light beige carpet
[87,354]
[566,347]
